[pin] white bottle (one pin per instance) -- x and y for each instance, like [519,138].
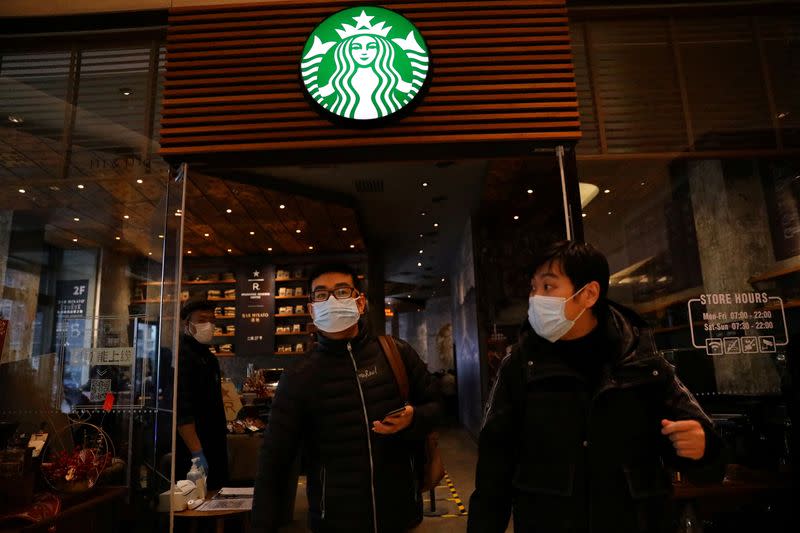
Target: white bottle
[197,476]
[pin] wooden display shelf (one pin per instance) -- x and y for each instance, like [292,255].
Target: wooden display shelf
[225,354]
[290,353]
[676,328]
[303,297]
[294,315]
[774,274]
[223,317]
[185,282]
[301,334]
[291,279]
[666,301]
[225,335]
[788,304]
[222,299]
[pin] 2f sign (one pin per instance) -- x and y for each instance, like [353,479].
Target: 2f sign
[79,290]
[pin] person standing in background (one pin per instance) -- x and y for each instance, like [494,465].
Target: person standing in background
[201,415]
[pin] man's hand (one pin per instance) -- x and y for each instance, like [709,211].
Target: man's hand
[687,436]
[394,423]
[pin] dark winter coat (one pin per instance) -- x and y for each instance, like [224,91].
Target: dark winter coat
[567,457]
[326,403]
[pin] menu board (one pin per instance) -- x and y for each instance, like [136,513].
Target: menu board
[255,324]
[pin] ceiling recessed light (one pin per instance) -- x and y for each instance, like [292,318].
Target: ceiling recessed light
[126,217]
[584,215]
[126,91]
[423,213]
[55,188]
[344,228]
[421,235]
[409,296]
[607,191]
[149,253]
[420,251]
[80,185]
[140,181]
[252,233]
[189,251]
[15,119]
[516,217]
[352,246]
[75,240]
[229,211]
[206,234]
[76,219]
[298,231]
[424,183]
[310,247]
[780,115]
[160,236]
[609,212]
[530,191]
[442,280]
[436,225]
[419,264]
[269,249]
[229,250]
[282,206]
[118,238]
[642,184]
[22,191]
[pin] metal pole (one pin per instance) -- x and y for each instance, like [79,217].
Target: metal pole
[567,220]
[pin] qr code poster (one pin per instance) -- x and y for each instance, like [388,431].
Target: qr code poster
[99,389]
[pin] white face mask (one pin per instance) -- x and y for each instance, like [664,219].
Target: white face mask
[333,316]
[547,317]
[203,332]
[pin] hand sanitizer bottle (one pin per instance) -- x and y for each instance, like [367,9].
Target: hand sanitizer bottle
[197,476]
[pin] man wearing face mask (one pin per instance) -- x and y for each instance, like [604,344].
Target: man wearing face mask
[201,414]
[342,406]
[585,414]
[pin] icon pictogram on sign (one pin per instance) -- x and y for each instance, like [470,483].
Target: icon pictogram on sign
[732,345]
[749,344]
[714,346]
[766,344]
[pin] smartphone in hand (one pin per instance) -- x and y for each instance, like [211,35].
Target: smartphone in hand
[394,412]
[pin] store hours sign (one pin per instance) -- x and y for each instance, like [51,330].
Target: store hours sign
[741,323]
[365,64]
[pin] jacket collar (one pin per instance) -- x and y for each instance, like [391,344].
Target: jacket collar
[333,347]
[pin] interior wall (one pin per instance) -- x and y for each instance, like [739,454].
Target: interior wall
[469,366]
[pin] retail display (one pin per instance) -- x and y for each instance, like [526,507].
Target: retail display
[293,334]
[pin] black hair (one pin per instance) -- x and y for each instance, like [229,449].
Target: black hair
[338,268]
[582,263]
[196,305]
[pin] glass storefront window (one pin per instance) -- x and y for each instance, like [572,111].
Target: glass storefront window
[90,228]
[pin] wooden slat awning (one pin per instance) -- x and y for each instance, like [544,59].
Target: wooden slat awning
[501,72]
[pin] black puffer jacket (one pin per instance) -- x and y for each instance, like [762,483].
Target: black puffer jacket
[569,458]
[319,406]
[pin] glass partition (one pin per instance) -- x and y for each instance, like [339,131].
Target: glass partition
[90,232]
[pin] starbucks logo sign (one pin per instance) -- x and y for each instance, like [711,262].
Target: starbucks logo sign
[364,63]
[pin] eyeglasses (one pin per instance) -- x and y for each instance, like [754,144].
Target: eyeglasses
[340,293]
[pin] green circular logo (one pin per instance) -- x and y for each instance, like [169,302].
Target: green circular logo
[364,63]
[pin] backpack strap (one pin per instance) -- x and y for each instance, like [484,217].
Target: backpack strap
[396,362]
